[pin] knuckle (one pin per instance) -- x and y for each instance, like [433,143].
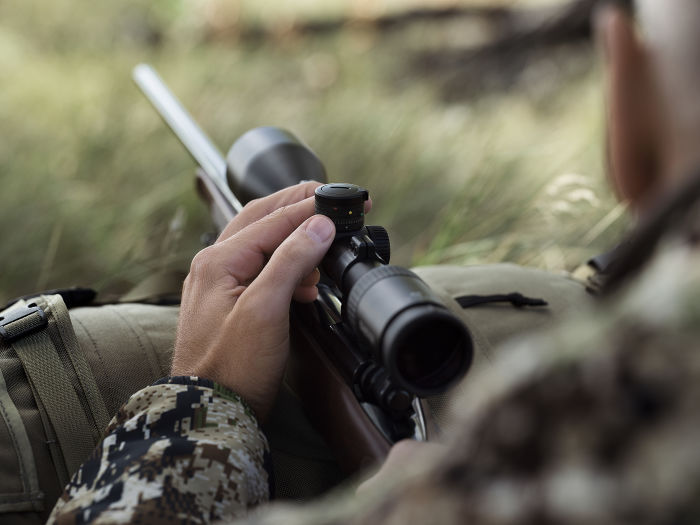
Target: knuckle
[253,204]
[203,263]
[282,210]
[292,245]
[293,257]
[255,312]
[310,187]
[251,209]
[283,214]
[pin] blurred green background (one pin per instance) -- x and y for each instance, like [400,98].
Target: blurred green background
[96,191]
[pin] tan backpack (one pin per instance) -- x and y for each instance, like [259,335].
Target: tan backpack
[63,376]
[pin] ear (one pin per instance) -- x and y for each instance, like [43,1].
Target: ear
[633,109]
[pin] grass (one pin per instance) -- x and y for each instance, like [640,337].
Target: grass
[95,190]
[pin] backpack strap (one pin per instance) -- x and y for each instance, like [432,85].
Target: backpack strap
[40,332]
[31,497]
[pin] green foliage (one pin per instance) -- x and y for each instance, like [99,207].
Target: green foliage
[97,192]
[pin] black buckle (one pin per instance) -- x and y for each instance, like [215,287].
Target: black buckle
[73,297]
[22,321]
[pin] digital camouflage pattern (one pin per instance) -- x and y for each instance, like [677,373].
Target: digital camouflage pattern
[597,422]
[186,450]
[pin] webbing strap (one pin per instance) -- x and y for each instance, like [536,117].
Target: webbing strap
[50,381]
[39,353]
[59,312]
[32,498]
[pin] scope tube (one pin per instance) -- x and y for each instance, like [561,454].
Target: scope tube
[422,344]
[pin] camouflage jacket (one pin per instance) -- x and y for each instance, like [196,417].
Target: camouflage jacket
[183,450]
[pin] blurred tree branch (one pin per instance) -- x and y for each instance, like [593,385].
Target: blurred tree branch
[497,64]
[462,67]
[516,25]
[256,33]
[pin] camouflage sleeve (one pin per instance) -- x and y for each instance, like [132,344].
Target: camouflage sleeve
[182,450]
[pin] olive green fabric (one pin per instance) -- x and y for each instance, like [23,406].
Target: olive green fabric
[47,382]
[128,346]
[16,474]
[64,382]
[494,323]
[22,492]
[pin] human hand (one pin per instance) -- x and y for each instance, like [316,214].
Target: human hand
[234,319]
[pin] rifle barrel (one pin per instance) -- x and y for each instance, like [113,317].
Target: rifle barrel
[199,145]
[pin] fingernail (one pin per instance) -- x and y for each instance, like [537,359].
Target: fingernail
[320,229]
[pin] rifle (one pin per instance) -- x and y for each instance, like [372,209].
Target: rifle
[377,338]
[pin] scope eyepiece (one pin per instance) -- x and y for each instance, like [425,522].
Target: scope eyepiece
[344,204]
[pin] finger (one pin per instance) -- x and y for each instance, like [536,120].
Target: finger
[305,294]
[307,291]
[243,255]
[312,279]
[259,208]
[295,258]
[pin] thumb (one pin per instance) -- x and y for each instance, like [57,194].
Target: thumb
[292,261]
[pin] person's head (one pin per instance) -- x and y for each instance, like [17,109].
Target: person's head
[653,94]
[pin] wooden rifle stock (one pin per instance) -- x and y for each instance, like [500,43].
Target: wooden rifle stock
[329,402]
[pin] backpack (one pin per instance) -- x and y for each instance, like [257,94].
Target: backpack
[484,297]
[62,378]
[64,373]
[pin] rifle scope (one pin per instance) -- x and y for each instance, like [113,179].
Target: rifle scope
[424,347]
